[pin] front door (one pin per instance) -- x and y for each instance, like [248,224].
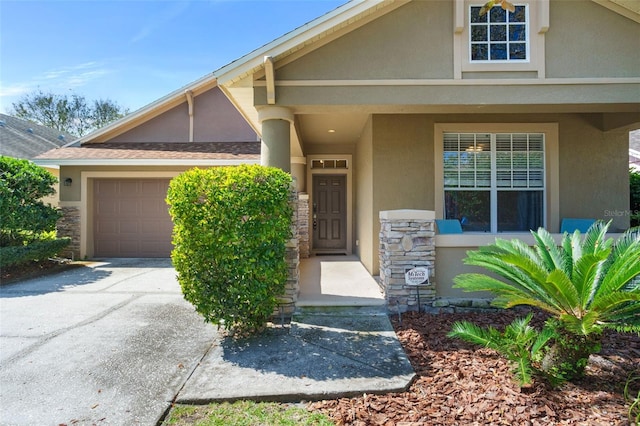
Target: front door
[329,213]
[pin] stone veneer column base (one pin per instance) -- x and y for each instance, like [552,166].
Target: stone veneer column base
[407,240]
[69,226]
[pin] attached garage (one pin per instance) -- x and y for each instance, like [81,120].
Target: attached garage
[131,218]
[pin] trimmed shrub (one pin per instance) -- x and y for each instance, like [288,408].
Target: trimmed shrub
[34,251]
[231,226]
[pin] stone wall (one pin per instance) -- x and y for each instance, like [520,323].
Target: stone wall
[303,225]
[69,226]
[292,287]
[407,240]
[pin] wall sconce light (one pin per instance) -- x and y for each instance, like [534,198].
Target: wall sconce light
[68,181]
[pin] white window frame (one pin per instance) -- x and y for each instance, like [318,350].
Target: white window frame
[487,25]
[493,188]
[537,26]
[551,163]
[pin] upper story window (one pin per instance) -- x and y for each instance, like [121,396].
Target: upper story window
[499,35]
[508,42]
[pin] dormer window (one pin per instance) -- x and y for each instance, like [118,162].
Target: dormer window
[499,35]
[506,42]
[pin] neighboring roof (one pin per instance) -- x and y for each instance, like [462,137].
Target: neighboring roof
[154,153]
[24,139]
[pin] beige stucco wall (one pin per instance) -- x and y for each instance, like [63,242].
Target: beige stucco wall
[215,119]
[592,168]
[73,193]
[402,166]
[363,205]
[588,40]
[413,41]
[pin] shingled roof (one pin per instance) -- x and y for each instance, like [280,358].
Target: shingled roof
[154,152]
[24,139]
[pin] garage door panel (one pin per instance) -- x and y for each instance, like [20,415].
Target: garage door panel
[131,218]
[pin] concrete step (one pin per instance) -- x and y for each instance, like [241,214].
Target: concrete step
[346,311]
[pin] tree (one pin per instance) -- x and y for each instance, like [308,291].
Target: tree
[69,113]
[23,215]
[586,285]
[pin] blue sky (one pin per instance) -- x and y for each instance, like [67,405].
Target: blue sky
[133,52]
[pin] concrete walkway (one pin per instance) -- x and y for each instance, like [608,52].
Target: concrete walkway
[114,342]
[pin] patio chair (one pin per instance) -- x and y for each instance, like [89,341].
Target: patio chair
[449,226]
[571,224]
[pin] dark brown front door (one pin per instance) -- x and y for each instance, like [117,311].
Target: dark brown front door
[329,213]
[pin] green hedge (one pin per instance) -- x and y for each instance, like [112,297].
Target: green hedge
[34,251]
[231,226]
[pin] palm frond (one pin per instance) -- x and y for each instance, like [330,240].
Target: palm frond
[618,303]
[469,332]
[541,341]
[561,289]
[509,294]
[594,239]
[548,250]
[587,273]
[622,267]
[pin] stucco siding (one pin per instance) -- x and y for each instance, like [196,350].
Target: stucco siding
[594,171]
[363,214]
[588,40]
[403,166]
[413,41]
[215,119]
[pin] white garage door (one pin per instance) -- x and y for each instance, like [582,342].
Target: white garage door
[131,218]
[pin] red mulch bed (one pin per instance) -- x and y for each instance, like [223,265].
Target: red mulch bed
[33,269]
[460,384]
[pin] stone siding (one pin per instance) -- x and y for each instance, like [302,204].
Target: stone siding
[303,225]
[69,226]
[407,240]
[292,287]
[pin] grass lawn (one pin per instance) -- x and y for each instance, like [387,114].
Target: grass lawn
[245,413]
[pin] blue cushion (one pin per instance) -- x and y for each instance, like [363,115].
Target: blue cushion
[570,225]
[449,226]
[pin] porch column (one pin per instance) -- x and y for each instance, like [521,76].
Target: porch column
[275,150]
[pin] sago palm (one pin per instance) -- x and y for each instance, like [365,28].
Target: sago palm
[587,284]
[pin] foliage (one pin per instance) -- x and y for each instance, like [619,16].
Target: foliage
[245,413]
[519,343]
[23,215]
[630,387]
[231,225]
[33,251]
[68,113]
[587,285]
[634,187]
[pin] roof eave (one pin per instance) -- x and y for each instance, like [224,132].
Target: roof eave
[144,162]
[254,61]
[149,111]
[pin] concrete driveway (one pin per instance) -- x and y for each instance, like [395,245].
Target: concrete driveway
[111,342]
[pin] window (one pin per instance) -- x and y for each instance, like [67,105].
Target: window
[499,35]
[494,182]
[511,44]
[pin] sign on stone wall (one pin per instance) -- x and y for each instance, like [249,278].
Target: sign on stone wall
[417,276]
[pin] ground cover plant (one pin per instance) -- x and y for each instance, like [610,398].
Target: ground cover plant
[231,226]
[587,284]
